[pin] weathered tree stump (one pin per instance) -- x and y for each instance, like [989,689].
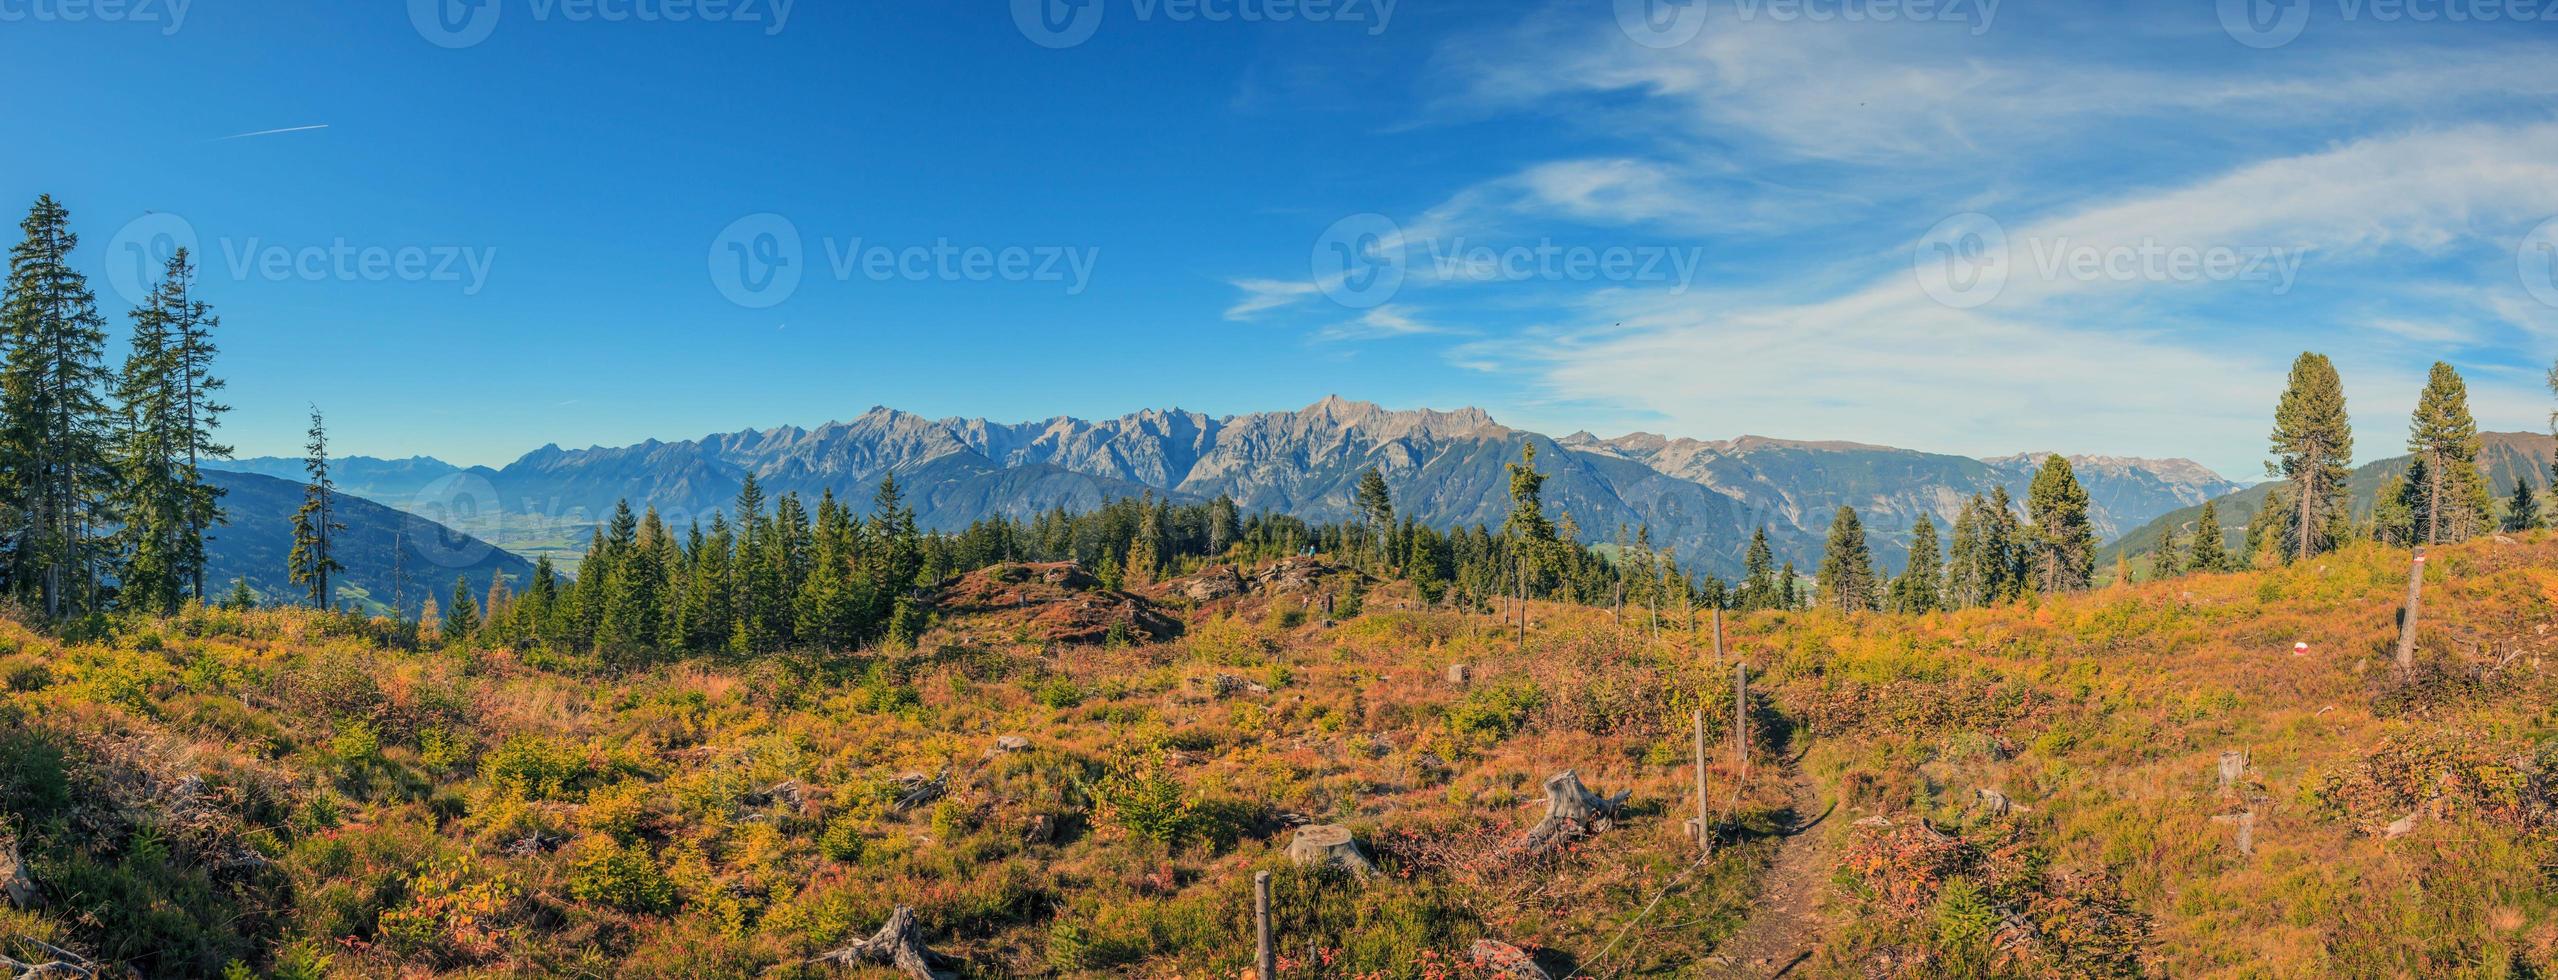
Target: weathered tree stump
[2233,767]
[1503,959]
[15,886]
[1998,803]
[1011,743]
[898,944]
[2245,821]
[1572,810]
[1457,675]
[1042,829]
[1320,844]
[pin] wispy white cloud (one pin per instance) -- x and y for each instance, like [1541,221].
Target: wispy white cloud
[1377,324]
[1263,295]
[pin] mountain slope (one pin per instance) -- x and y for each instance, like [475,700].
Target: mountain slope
[1446,468]
[388,553]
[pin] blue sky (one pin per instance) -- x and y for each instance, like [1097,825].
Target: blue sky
[2093,227]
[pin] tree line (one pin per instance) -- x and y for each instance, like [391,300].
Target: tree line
[102,502]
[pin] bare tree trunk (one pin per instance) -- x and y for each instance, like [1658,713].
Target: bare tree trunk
[1704,826]
[1741,719]
[1266,958]
[2308,489]
[2407,620]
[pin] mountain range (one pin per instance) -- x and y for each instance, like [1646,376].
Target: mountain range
[1446,468]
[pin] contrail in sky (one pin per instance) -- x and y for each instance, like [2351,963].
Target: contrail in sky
[272,132]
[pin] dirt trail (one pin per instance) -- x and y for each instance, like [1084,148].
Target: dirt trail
[1789,919]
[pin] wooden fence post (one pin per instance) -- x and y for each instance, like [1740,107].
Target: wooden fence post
[1718,631]
[1704,826]
[2407,621]
[1741,720]
[1266,960]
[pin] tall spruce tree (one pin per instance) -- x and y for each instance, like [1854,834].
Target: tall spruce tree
[2064,541]
[1846,573]
[1920,587]
[56,430]
[2445,436]
[462,618]
[315,525]
[1375,509]
[2311,443]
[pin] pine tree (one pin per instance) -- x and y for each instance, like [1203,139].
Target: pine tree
[1758,582]
[2402,507]
[2169,560]
[1846,574]
[191,351]
[55,457]
[316,523]
[1375,507]
[2522,510]
[242,598]
[2445,436]
[1786,595]
[463,618]
[2064,541]
[1920,588]
[147,463]
[2210,554]
[2311,442]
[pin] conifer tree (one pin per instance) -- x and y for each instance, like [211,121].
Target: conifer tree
[2064,541]
[2522,510]
[1375,508]
[1919,589]
[463,618]
[55,427]
[2210,553]
[1758,583]
[2445,436]
[1787,596]
[310,562]
[2169,560]
[242,598]
[2311,442]
[1846,575]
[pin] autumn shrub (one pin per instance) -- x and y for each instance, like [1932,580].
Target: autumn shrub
[610,873]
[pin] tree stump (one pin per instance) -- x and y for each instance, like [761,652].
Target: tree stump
[15,886]
[2233,767]
[1011,743]
[1457,675]
[1502,959]
[1571,810]
[1320,844]
[898,944]
[1042,829]
[2245,821]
